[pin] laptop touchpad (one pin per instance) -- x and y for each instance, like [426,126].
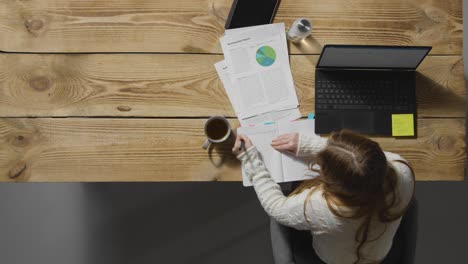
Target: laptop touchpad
[358,121]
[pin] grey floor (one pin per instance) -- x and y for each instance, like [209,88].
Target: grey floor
[184,223]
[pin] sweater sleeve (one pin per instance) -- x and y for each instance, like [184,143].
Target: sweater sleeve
[405,186]
[310,144]
[288,211]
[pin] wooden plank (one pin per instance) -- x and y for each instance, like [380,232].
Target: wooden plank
[100,149]
[110,85]
[195,26]
[167,85]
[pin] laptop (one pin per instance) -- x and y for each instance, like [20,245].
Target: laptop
[360,87]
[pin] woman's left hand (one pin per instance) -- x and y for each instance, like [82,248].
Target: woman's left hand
[287,143]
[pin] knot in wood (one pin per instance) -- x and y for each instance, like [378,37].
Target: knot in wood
[20,141]
[18,169]
[124,108]
[40,83]
[445,143]
[33,25]
[457,68]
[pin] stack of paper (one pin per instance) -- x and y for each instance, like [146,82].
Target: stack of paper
[257,76]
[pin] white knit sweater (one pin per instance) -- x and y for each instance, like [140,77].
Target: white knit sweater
[334,237]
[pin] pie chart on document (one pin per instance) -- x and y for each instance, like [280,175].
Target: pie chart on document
[266,56]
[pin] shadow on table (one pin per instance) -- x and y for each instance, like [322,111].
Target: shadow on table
[221,154]
[307,45]
[436,98]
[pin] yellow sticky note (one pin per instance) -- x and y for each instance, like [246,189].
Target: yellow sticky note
[402,125]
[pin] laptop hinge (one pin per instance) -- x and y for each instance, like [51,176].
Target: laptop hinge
[362,69]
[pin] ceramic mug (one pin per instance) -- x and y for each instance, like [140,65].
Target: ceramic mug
[217,130]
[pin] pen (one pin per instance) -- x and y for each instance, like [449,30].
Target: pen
[242,146]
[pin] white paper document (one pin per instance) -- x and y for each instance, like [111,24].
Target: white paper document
[259,70]
[223,72]
[274,116]
[245,29]
[282,167]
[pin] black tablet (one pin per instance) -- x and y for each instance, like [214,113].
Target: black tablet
[245,13]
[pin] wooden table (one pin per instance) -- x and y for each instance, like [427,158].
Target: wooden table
[119,90]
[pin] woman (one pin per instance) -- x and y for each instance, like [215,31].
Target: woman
[352,208]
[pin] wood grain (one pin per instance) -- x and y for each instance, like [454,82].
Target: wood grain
[195,26]
[175,85]
[101,149]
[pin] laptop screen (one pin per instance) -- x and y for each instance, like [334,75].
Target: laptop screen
[367,57]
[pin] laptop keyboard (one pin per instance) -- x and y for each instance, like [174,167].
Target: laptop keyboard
[362,95]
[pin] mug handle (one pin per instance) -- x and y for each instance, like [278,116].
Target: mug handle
[207,143]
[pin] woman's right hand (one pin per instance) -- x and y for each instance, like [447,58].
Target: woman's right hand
[237,149]
[287,143]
